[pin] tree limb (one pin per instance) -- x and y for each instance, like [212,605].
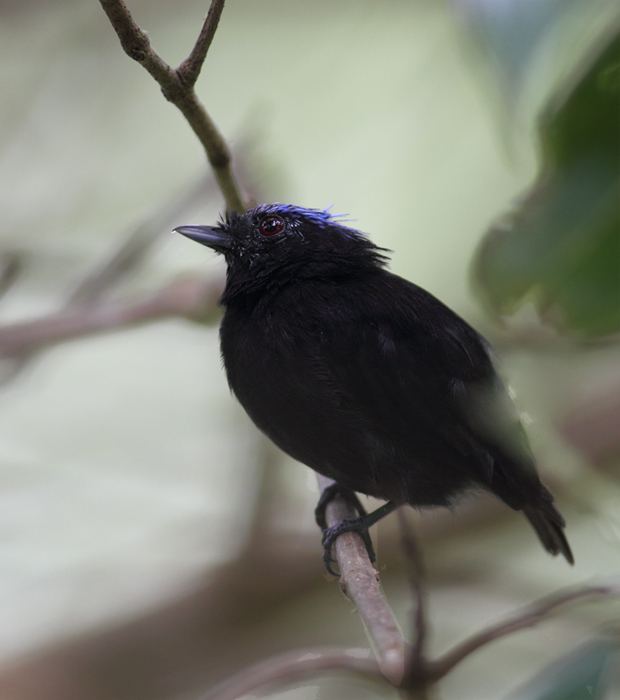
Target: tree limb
[191,297]
[296,665]
[529,617]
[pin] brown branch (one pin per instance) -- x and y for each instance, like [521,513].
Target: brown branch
[416,665]
[359,581]
[139,242]
[136,45]
[10,269]
[529,617]
[592,425]
[190,297]
[296,665]
[100,280]
[189,70]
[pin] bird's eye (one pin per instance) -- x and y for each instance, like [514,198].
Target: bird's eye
[271,225]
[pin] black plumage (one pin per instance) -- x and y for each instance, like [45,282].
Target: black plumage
[364,376]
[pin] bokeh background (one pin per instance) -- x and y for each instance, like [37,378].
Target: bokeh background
[151,542]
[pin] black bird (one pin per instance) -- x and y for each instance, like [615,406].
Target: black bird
[364,376]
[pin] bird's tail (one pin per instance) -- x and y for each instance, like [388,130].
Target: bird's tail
[549,526]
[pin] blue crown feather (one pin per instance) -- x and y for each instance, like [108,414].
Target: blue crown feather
[321,218]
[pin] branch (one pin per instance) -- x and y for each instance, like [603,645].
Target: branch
[592,426]
[98,281]
[10,269]
[190,297]
[359,581]
[139,242]
[296,665]
[189,70]
[529,617]
[173,83]
[416,666]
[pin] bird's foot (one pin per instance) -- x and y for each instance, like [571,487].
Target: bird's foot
[334,491]
[331,534]
[359,525]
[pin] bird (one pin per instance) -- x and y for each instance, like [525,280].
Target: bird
[364,376]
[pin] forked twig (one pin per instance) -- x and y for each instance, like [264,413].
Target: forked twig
[178,87]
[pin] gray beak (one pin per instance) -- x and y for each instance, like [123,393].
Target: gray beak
[212,237]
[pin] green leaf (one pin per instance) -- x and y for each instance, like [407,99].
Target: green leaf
[582,675]
[561,247]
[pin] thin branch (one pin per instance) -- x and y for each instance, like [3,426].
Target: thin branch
[359,581]
[10,269]
[100,280]
[296,665]
[136,45]
[529,617]
[190,297]
[139,242]
[592,426]
[189,70]
[416,666]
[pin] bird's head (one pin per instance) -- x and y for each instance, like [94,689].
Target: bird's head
[276,243]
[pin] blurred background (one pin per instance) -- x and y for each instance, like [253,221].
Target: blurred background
[151,542]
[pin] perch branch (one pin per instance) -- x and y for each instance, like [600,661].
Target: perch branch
[296,665]
[178,88]
[529,617]
[359,582]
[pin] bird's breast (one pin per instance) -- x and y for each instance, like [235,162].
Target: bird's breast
[278,374]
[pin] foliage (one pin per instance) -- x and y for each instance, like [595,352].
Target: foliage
[561,247]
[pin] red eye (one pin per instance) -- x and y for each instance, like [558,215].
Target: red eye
[271,225]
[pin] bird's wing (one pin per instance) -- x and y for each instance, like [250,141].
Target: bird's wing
[422,377]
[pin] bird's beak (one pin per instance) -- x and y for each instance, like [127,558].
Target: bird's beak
[212,237]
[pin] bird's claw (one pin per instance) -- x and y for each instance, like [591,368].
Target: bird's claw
[328,560]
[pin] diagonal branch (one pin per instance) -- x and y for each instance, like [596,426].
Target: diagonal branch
[142,238]
[296,665]
[189,70]
[531,616]
[20,342]
[10,269]
[136,44]
[416,667]
[359,581]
